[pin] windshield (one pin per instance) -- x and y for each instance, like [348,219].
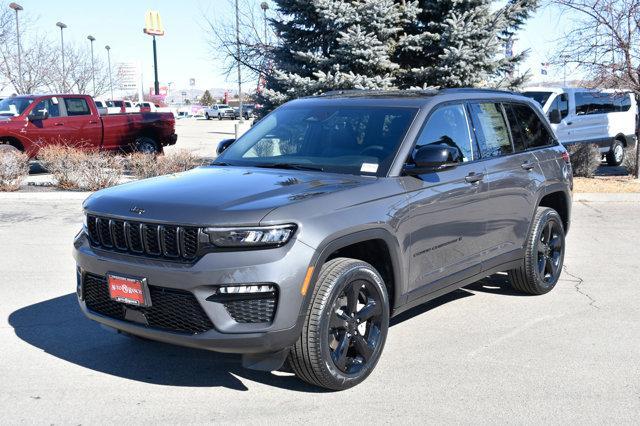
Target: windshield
[335,139]
[14,106]
[539,97]
[223,106]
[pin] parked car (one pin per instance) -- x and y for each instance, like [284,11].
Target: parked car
[248,111]
[220,111]
[148,107]
[31,122]
[606,118]
[324,220]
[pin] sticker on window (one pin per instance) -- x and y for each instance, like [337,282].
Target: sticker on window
[369,168]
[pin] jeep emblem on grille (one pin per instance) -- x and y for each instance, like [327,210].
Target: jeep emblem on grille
[136,209]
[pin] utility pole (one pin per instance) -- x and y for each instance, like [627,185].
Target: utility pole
[265,6]
[62,26]
[108,48]
[93,67]
[18,8]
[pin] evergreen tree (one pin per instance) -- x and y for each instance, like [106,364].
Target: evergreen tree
[456,43]
[384,44]
[206,98]
[332,44]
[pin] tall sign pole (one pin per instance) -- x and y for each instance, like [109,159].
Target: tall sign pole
[153,27]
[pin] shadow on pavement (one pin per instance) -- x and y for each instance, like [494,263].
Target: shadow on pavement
[496,284]
[59,328]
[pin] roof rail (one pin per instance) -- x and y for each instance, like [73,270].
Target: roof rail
[479,89]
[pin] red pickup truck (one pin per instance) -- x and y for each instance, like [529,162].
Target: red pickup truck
[31,122]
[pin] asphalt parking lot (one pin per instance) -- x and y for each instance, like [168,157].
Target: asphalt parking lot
[201,137]
[481,355]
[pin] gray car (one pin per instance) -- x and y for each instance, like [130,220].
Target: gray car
[327,218]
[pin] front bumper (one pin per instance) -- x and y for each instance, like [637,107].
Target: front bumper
[285,266]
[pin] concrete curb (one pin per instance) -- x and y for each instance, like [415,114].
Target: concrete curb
[607,197]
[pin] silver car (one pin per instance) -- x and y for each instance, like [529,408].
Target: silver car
[326,219]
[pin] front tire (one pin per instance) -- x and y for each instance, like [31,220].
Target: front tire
[544,254]
[346,327]
[615,156]
[206,116]
[219,117]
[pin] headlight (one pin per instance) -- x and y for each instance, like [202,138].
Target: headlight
[260,236]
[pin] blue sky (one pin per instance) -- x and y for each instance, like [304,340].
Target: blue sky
[183,53]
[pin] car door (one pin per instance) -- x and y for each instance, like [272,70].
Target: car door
[48,131]
[590,124]
[447,208]
[512,175]
[85,127]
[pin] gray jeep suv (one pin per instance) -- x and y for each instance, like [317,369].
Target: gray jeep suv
[331,215]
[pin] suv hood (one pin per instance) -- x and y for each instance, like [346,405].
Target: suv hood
[217,195]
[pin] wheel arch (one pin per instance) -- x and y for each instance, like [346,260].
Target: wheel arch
[377,247]
[560,201]
[622,138]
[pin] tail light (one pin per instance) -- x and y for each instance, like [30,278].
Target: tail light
[565,157]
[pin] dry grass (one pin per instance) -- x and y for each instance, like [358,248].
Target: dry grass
[606,184]
[73,169]
[14,168]
[144,166]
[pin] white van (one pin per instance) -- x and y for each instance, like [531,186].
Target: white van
[606,118]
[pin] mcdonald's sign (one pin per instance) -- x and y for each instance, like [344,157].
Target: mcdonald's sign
[153,23]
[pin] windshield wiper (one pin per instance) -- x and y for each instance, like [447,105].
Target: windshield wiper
[290,166]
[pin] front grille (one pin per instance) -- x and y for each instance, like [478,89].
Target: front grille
[143,239]
[250,311]
[171,309]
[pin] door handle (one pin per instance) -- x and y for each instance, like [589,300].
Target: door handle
[58,124]
[93,122]
[474,177]
[569,123]
[527,166]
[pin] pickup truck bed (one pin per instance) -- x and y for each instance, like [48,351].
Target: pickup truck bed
[32,122]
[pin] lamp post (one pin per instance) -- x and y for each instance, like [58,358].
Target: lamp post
[62,26]
[108,48]
[18,8]
[93,67]
[238,63]
[264,6]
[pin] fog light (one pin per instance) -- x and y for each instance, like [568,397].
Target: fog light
[261,288]
[243,292]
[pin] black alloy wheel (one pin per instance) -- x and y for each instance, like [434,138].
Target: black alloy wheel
[550,251]
[355,326]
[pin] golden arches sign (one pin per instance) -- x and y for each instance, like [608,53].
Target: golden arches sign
[153,23]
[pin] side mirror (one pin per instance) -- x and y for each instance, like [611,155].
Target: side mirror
[38,115]
[554,116]
[433,158]
[223,145]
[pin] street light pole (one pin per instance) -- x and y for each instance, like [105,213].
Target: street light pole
[109,62]
[265,6]
[238,61]
[18,8]
[62,26]
[93,67]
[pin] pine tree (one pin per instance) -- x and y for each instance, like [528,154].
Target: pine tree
[332,44]
[206,98]
[383,44]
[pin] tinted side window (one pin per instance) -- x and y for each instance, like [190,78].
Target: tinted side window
[491,130]
[448,125]
[594,103]
[517,133]
[76,106]
[622,101]
[49,106]
[531,129]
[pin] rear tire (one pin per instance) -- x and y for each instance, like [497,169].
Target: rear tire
[615,156]
[206,115]
[147,145]
[544,254]
[346,327]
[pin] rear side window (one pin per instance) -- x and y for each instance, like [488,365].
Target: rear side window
[588,103]
[448,125]
[77,106]
[491,130]
[527,129]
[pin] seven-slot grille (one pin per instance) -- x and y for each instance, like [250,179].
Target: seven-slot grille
[143,239]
